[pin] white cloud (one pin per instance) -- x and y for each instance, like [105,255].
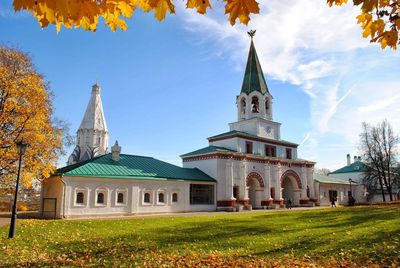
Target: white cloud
[321,50]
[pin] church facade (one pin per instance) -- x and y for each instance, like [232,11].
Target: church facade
[251,163]
[249,167]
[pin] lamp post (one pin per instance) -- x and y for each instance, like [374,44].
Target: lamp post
[351,198]
[21,148]
[351,192]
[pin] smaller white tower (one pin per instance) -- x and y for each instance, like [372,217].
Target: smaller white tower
[92,135]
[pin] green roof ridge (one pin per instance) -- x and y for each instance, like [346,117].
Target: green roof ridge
[132,167]
[208,149]
[321,178]
[356,166]
[253,77]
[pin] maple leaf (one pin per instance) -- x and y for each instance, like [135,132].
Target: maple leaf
[161,7]
[200,5]
[241,9]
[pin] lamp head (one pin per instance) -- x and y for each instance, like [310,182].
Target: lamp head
[21,147]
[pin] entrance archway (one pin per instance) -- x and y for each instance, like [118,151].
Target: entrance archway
[255,188]
[291,187]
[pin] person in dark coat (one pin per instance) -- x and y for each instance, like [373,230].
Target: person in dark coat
[289,203]
[333,202]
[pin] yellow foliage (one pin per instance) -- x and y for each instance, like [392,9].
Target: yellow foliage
[241,9]
[86,13]
[25,114]
[379,19]
[200,5]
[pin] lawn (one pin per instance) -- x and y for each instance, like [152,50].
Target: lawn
[325,237]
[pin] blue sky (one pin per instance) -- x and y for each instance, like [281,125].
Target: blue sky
[167,86]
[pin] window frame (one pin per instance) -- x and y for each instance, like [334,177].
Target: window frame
[271,149]
[289,153]
[211,197]
[124,192]
[161,192]
[85,192]
[150,203]
[249,145]
[172,198]
[104,191]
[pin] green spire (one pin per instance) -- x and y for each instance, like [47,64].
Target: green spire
[253,77]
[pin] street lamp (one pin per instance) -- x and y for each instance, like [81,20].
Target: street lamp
[21,148]
[351,198]
[351,193]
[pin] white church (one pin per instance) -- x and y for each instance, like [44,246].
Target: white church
[248,167]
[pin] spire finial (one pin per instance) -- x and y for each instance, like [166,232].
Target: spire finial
[251,33]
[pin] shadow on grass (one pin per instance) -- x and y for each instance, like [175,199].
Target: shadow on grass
[233,233]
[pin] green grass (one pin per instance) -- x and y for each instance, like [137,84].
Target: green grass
[351,233]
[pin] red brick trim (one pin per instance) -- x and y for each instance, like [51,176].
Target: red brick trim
[245,202]
[226,203]
[292,173]
[280,202]
[255,175]
[304,201]
[267,202]
[253,139]
[313,200]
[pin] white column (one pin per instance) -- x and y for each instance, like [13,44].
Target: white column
[310,176]
[304,183]
[248,107]
[278,188]
[229,180]
[267,176]
[243,182]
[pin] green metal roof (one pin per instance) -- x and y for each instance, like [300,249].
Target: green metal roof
[234,132]
[357,166]
[134,167]
[328,179]
[253,77]
[208,149]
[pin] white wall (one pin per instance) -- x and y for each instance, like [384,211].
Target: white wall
[342,193]
[133,191]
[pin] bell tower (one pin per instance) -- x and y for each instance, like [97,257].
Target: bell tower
[254,104]
[254,99]
[92,135]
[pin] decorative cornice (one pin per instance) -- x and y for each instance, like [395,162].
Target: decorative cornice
[238,135]
[250,158]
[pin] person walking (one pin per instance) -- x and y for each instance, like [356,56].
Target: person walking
[333,202]
[289,203]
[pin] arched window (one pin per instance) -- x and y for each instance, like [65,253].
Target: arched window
[243,106]
[79,198]
[160,198]
[99,140]
[100,198]
[308,191]
[254,105]
[266,105]
[174,197]
[120,198]
[146,198]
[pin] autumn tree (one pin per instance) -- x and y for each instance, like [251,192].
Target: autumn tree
[378,149]
[380,19]
[26,114]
